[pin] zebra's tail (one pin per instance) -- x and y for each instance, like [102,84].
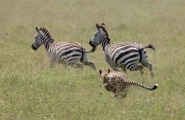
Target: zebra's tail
[92,50]
[143,86]
[83,51]
[149,46]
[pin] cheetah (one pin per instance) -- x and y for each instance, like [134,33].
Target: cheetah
[118,82]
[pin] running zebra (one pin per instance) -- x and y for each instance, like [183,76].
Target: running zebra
[68,53]
[124,54]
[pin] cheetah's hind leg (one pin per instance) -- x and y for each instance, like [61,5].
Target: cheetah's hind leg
[124,94]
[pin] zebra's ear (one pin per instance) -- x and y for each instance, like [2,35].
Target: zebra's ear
[103,25]
[108,70]
[97,26]
[100,72]
[37,29]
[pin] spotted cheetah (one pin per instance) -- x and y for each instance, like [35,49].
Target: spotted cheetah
[118,82]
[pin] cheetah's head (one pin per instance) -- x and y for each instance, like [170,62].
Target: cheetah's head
[104,72]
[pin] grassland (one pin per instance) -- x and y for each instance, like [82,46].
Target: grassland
[30,90]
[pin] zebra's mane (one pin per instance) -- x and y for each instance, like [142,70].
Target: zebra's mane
[46,33]
[106,33]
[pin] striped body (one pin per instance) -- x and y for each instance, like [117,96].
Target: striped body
[126,55]
[68,53]
[65,52]
[118,82]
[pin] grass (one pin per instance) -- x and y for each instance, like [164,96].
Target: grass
[29,89]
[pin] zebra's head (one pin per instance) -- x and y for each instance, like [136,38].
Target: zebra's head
[100,34]
[39,40]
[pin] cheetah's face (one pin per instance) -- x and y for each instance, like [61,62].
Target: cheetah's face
[104,72]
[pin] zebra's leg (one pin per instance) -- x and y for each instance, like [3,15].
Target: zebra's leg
[135,67]
[141,69]
[64,65]
[112,65]
[150,68]
[91,64]
[75,65]
[125,69]
[86,62]
[63,62]
[114,68]
[51,64]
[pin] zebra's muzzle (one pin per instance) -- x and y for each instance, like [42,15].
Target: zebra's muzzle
[91,44]
[33,47]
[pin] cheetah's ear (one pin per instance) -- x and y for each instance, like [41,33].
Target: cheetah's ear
[100,72]
[97,26]
[108,70]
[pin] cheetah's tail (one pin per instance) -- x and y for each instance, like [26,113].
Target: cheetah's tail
[143,86]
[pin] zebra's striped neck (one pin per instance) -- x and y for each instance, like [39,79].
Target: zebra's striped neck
[47,40]
[104,41]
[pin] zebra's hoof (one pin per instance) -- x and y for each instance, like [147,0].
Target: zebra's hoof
[94,67]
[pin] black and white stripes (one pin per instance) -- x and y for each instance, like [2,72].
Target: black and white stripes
[62,52]
[124,54]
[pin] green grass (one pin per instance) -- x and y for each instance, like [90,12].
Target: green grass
[29,89]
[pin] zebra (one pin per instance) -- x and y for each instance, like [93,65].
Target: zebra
[67,53]
[126,55]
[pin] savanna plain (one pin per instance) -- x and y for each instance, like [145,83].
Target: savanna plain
[30,89]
